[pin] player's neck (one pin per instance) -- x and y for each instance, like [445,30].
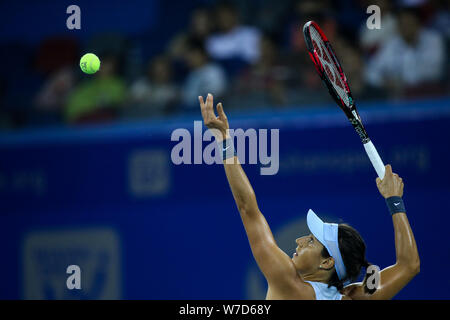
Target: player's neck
[315,277]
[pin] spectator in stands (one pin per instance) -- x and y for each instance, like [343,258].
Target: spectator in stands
[304,11]
[200,27]
[372,39]
[53,94]
[413,57]
[205,76]
[50,100]
[351,58]
[263,82]
[154,94]
[441,19]
[233,40]
[55,59]
[304,83]
[98,98]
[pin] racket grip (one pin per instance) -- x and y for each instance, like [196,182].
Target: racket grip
[375,158]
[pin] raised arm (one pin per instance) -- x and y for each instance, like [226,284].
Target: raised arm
[276,266]
[407,265]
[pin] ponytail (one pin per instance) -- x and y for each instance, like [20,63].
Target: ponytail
[353,249]
[366,264]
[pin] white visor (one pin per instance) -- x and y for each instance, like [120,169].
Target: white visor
[327,234]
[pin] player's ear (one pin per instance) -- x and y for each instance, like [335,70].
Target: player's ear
[327,263]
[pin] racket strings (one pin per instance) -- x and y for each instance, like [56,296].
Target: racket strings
[328,65]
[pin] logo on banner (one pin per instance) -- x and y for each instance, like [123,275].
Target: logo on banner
[89,258]
[148,173]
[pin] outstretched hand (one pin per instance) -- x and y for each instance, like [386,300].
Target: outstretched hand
[218,124]
[391,185]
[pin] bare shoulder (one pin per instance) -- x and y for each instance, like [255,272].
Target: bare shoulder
[353,291]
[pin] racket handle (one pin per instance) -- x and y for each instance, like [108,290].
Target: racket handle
[375,158]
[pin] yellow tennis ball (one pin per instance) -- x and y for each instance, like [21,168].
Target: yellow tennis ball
[89,63]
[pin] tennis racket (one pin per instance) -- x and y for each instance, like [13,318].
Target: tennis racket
[331,73]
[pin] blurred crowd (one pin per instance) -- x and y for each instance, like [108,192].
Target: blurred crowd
[249,54]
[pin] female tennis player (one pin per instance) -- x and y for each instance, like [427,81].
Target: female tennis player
[333,255]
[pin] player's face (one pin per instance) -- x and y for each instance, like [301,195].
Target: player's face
[308,254]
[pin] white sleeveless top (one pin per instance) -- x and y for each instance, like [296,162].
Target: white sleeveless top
[323,292]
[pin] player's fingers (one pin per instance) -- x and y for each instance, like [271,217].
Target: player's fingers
[378,180]
[202,103]
[221,113]
[209,105]
[202,106]
[388,169]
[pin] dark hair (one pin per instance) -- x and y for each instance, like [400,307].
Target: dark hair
[353,252]
[194,44]
[227,5]
[413,11]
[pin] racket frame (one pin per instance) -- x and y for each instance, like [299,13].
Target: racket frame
[350,110]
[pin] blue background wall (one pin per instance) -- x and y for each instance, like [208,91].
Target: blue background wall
[110,200]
